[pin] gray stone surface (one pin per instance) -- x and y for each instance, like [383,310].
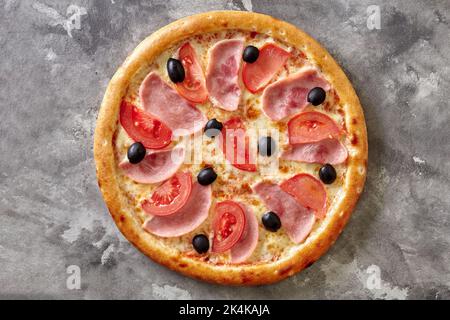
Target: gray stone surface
[53,73]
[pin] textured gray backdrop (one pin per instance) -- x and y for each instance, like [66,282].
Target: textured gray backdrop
[56,60]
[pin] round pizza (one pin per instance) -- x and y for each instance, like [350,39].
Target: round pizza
[231,147]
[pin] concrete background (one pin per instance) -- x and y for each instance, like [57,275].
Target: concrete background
[56,60]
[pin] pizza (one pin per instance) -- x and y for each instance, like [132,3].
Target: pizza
[231,147]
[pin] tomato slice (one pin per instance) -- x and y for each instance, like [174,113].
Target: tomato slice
[308,191]
[228,225]
[193,87]
[144,128]
[170,196]
[311,127]
[258,74]
[233,133]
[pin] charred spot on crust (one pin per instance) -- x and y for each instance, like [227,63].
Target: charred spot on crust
[354,139]
[246,279]
[309,264]
[285,270]
[122,218]
[354,121]
[182,265]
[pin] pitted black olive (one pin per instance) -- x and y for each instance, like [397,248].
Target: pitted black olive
[327,174]
[271,221]
[266,146]
[213,128]
[316,96]
[175,70]
[136,153]
[206,176]
[250,54]
[200,243]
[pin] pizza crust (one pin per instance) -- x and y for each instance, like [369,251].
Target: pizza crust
[119,205]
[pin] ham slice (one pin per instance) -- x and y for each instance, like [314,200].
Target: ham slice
[188,218]
[163,102]
[222,75]
[330,151]
[244,248]
[288,96]
[295,219]
[157,166]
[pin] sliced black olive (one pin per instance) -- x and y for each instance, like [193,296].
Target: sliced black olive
[316,96]
[213,128]
[175,70]
[266,146]
[136,153]
[271,221]
[327,174]
[250,54]
[200,243]
[206,176]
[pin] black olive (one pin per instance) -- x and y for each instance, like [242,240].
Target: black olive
[316,96]
[266,146]
[175,70]
[213,128]
[136,153]
[327,174]
[271,221]
[250,54]
[200,243]
[206,176]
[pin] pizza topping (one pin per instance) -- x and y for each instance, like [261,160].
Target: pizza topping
[222,76]
[200,243]
[157,166]
[288,96]
[271,221]
[308,191]
[170,196]
[206,176]
[266,146]
[185,220]
[213,128]
[136,153]
[325,151]
[258,74]
[228,225]
[311,127]
[143,127]
[251,54]
[159,99]
[178,206]
[175,70]
[327,174]
[316,96]
[193,87]
[235,144]
[244,248]
[296,219]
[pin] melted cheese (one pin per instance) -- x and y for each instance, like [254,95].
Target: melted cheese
[232,183]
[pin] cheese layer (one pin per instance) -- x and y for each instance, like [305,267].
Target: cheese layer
[232,183]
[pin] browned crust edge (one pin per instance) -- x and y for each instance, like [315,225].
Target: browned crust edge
[250,274]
